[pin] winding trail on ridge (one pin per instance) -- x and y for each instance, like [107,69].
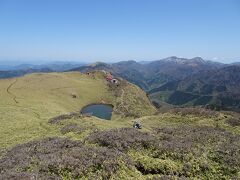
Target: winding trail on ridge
[122,101]
[9,92]
[14,97]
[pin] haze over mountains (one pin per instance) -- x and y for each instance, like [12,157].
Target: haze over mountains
[8,70]
[173,80]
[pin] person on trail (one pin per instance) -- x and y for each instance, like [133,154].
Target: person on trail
[137,125]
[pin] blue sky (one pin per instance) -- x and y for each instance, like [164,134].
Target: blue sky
[114,30]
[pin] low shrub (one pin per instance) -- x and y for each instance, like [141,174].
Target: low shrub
[185,138]
[73,127]
[233,122]
[2,152]
[171,177]
[57,157]
[123,139]
[58,119]
[27,176]
[228,154]
[169,152]
[148,165]
[202,150]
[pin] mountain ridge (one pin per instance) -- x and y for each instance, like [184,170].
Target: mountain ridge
[168,69]
[167,76]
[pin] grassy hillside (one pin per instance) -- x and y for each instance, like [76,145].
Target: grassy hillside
[27,103]
[180,143]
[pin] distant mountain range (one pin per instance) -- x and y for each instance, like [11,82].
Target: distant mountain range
[21,72]
[156,73]
[181,81]
[9,71]
[173,80]
[218,89]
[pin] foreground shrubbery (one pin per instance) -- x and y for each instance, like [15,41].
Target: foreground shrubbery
[56,158]
[199,140]
[123,139]
[166,153]
[201,152]
[204,152]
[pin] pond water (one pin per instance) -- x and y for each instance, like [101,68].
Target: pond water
[103,111]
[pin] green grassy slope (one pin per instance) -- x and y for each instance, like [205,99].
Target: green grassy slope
[28,103]
[181,143]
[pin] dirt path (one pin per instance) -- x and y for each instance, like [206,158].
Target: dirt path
[9,92]
[122,95]
[37,115]
[122,107]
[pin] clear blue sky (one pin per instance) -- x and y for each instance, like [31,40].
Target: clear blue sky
[112,30]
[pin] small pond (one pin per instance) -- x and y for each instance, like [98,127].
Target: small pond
[103,111]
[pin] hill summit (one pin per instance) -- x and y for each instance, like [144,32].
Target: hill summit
[33,99]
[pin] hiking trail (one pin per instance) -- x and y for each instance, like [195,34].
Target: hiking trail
[9,92]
